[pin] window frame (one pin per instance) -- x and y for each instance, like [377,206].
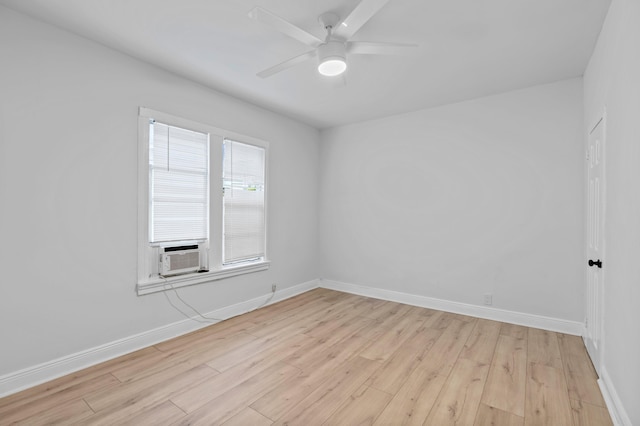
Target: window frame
[146,252]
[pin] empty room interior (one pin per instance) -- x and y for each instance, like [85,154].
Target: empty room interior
[282,212]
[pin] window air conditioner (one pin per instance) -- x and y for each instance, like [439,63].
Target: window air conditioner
[179,260]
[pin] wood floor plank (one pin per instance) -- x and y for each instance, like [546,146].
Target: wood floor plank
[579,372]
[543,349]
[513,330]
[582,387]
[328,363]
[20,412]
[413,402]
[239,354]
[351,327]
[506,383]
[70,380]
[369,307]
[547,397]
[316,355]
[377,327]
[389,311]
[491,416]
[184,358]
[442,320]
[129,370]
[267,323]
[424,313]
[285,396]
[460,397]
[445,351]
[248,417]
[481,344]
[196,396]
[232,402]
[574,345]
[386,344]
[67,413]
[366,303]
[439,321]
[396,370]
[325,324]
[130,392]
[116,409]
[303,318]
[162,414]
[277,310]
[362,408]
[585,414]
[319,405]
[388,320]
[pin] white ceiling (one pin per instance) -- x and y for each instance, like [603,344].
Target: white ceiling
[467,48]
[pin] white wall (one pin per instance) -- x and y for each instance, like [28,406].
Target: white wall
[483,196]
[68,188]
[612,81]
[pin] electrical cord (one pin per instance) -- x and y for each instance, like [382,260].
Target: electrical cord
[187,316]
[273,293]
[207,320]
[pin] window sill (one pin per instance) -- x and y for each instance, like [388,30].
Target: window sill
[157,284]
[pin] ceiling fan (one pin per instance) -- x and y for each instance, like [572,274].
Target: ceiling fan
[332,51]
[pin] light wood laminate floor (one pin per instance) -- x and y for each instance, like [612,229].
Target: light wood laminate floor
[330,358]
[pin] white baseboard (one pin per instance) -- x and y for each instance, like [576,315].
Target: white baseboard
[619,415]
[31,376]
[529,320]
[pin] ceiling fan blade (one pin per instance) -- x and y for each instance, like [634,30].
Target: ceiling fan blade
[287,64]
[358,17]
[285,27]
[371,48]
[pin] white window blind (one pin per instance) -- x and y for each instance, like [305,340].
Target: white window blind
[179,184]
[244,209]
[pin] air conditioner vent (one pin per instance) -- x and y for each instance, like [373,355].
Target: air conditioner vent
[179,260]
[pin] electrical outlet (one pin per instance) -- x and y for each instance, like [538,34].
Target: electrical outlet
[273,287]
[488,299]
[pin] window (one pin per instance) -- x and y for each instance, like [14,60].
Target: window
[202,203]
[243,186]
[178,184]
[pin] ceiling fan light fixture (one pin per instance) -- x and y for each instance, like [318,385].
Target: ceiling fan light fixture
[332,58]
[332,67]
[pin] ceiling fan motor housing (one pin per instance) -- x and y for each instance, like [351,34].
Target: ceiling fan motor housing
[332,57]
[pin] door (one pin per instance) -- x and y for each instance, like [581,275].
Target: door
[595,247]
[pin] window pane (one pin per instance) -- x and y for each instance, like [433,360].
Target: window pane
[179,184]
[244,209]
